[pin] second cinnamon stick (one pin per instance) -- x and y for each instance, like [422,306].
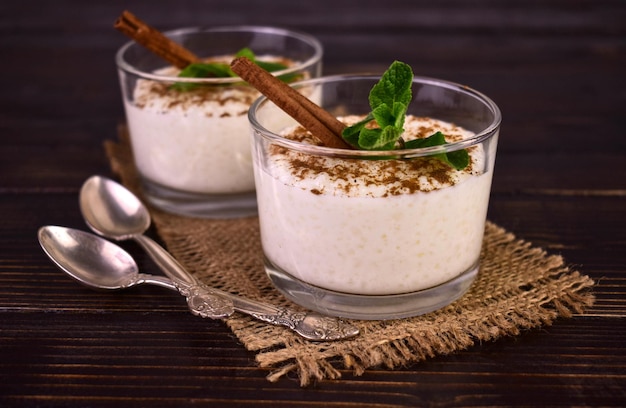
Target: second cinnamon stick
[321,123]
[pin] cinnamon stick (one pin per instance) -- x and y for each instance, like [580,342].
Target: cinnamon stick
[154,40]
[321,123]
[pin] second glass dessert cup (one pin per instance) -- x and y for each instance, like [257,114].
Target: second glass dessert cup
[190,136]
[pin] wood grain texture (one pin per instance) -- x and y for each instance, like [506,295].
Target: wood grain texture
[554,67]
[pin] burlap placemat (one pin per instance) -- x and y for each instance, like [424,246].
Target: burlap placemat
[519,287]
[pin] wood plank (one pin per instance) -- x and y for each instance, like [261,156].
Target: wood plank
[160,357]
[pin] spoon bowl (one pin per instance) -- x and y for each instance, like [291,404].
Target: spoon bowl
[89,259]
[112,210]
[100,264]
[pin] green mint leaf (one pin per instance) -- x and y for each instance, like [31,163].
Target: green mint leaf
[384,115]
[388,99]
[394,86]
[266,65]
[246,52]
[220,70]
[399,112]
[394,116]
[201,70]
[378,139]
[436,139]
[352,138]
[369,138]
[458,159]
[389,136]
[277,66]
[205,70]
[351,133]
[290,77]
[270,66]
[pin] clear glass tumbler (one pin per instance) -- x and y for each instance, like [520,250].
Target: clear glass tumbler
[375,234]
[190,136]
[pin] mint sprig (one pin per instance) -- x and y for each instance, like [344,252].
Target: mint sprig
[459,159]
[222,70]
[389,100]
[200,70]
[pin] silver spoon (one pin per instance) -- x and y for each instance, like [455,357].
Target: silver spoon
[101,264]
[113,211]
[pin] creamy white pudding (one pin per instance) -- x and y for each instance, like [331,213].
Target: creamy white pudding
[190,136]
[373,227]
[195,141]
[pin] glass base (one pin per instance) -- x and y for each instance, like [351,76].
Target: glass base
[370,307]
[221,206]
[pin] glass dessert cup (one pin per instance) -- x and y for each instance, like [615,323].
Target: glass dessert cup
[355,244]
[192,148]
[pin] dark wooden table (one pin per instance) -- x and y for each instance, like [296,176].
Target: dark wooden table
[557,69]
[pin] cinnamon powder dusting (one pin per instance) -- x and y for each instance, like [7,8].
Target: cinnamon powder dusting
[225,100]
[381,178]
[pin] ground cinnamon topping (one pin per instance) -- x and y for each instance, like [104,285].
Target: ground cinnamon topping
[222,94]
[381,178]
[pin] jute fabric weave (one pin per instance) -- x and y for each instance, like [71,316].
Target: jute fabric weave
[519,287]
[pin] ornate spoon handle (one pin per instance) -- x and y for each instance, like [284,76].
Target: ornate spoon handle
[214,303]
[310,325]
[204,302]
[201,300]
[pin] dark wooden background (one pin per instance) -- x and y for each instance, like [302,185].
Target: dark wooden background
[556,68]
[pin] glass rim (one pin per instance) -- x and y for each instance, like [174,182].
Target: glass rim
[306,38]
[478,138]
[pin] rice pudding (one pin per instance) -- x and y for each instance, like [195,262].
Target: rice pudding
[190,134]
[373,227]
[197,140]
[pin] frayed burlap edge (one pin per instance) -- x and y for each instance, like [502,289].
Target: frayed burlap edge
[519,287]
